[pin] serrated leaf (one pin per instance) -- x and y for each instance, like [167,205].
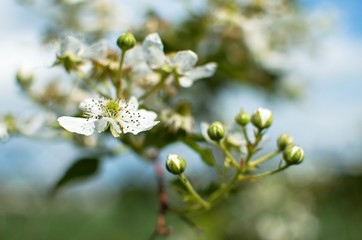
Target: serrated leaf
[205,153]
[81,169]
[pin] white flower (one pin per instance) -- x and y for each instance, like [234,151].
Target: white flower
[122,117]
[238,141]
[77,50]
[176,121]
[141,72]
[182,62]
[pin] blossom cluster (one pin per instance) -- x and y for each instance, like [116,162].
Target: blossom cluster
[145,62]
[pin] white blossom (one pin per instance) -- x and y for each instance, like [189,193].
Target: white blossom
[141,72]
[120,116]
[77,50]
[176,121]
[182,62]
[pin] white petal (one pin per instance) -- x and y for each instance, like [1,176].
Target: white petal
[153,50]
[102,125]
[184,60]
[95,51]
[185,82]
[265,115]
[138,121]
[114,124]
[204,71]
[134,56]
[83,126]
[93,107]
[130,106]
[71,44]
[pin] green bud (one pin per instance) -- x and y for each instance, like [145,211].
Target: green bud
[216,131]
[242,118]
[24,77]
[284,141]
[262,118]
[175,164]
[293,154]
[126,41]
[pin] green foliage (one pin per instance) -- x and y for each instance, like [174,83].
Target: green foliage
[81,169]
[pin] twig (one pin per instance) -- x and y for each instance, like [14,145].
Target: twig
[161,227]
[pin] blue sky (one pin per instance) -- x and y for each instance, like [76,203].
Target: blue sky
[350,11]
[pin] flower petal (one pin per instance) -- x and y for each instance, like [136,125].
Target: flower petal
[137,121]
[93,107]
[97,50]
[204,71]
[130,106]
[115,126]
[184,60]
[153,50]
[72,45]
[185,82]
[102,125]
[83,126]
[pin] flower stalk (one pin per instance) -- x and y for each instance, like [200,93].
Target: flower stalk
[192,191]
[260,160]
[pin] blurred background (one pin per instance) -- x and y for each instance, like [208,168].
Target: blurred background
[302,59]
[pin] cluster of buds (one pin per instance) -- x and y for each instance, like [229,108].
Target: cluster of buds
[261,119]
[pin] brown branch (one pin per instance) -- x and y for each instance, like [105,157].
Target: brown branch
[161,227]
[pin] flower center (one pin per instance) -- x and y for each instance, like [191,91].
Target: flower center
[111,109]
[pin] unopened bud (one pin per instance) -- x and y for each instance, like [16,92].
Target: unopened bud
[284,141]
[126,41]
[293,154]
[242,118]
[216,131]
[262,118]
[25,77]
[175,164]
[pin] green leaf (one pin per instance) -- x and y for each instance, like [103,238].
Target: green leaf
[205,153]
[81,169]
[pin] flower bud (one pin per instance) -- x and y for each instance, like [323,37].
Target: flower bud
[242,118]
[262,118]
[25,77]
[126,41]
[175,164]
[293,154]
[284,141]
[216,131]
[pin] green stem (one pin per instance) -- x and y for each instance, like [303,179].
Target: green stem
[259,161]
[192,191]
[119,76]
[245,134]
[251,148]
[155,87]
[241,178]
[224,190]
[229,156]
